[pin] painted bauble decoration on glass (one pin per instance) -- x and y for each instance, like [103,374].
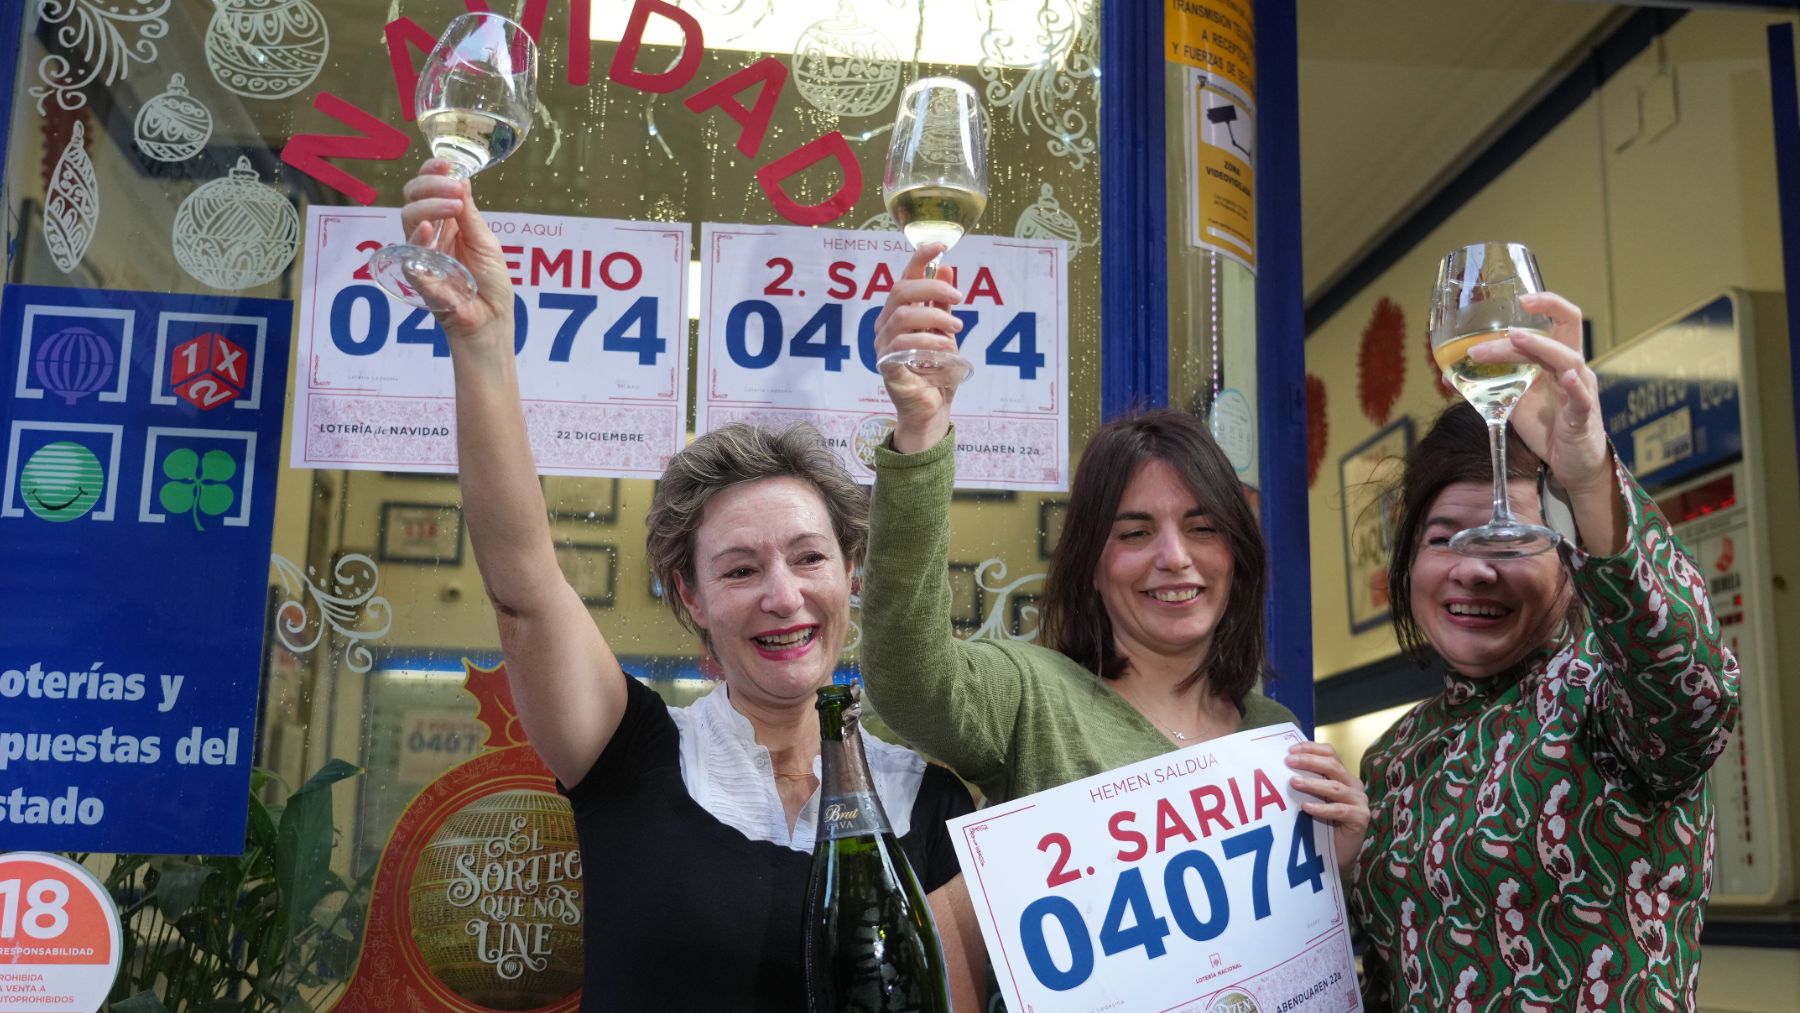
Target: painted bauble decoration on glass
[844,66]
[173,126]
[496,901]
[235,232]
[266,48]
[72,203]
[73,363]
[1046,219]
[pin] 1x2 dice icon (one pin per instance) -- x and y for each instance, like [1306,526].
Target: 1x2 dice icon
[209,370]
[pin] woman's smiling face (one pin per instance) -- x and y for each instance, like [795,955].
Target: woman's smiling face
[1165,574]
[1483,615]
[771,589]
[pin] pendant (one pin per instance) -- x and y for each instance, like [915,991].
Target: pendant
[1178,736]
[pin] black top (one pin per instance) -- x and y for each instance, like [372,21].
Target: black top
[685,912]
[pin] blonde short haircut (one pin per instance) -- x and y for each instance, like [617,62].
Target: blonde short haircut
[730,456]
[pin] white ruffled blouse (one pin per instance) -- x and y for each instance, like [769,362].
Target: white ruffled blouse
[730,774]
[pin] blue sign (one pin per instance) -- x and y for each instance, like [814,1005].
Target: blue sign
[1671,398]
[141,436]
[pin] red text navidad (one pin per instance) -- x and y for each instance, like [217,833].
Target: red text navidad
[761,83]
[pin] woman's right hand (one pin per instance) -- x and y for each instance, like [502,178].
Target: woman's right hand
[435,200]
[917,315]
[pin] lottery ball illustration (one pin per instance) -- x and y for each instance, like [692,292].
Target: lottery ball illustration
[74,363]
[496,901]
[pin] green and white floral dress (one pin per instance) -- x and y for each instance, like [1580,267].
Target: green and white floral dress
[1543,839]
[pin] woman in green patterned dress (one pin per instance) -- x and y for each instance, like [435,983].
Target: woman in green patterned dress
[1541,833]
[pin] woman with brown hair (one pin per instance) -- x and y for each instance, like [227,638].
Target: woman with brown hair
[1152,637]
[1542,830]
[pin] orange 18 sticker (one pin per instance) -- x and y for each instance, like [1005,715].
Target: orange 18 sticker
[59,936]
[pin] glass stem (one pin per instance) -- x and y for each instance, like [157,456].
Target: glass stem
[931,268]
[1497,450]
[439,242]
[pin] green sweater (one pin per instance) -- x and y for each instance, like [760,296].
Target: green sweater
[1012,717]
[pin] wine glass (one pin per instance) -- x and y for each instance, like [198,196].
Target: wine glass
[1477,301]
[476,96]
[936,187]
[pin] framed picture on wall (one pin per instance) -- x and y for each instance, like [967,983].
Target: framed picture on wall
[1050,525]
[1368,477]
[1024,614]
[592,569]
[594,500]
[968,602]
[424,533]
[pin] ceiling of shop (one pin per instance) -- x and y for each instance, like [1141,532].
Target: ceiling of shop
[1396,96]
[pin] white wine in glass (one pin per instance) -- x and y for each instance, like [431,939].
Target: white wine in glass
[1489,386]
[473,140]
[476,96]
[936,189]
[1476,302]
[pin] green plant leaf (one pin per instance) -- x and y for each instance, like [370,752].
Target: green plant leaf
[215,499]
[143,1002]
[177,884]
[181,464]
[261,829]
[217,466]
[176,497]
[303,847]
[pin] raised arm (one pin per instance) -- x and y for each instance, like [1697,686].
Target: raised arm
[954,700]
[1667,693]
[565,680]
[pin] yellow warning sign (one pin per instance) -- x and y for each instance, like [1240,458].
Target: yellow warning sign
[1217,36]
[1221,133]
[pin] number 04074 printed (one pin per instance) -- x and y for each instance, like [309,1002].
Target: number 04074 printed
[1191,881]
[600,326]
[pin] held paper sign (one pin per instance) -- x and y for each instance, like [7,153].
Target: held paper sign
[600,316]
[1190,881]
[787,334]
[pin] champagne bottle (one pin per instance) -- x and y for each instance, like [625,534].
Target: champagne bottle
[871,943]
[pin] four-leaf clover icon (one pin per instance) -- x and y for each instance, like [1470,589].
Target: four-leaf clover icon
[197,484]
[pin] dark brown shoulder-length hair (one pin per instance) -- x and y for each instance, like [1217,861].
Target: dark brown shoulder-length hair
[1075,620]
[1453,450]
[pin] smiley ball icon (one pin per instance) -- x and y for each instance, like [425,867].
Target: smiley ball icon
[62,481]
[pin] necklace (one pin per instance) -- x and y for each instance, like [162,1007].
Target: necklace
[1133,700]
[783,773]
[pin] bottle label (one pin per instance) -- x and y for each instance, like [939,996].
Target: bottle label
[851,815]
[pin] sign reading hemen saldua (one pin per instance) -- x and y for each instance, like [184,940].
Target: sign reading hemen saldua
[599,334]
[1189,881]
[141,434]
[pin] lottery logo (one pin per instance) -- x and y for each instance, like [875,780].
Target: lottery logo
[61,481]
